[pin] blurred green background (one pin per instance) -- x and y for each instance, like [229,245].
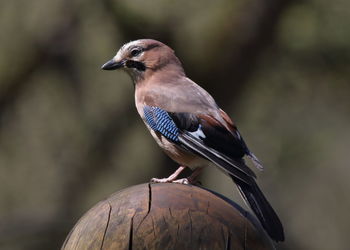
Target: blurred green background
[70,135]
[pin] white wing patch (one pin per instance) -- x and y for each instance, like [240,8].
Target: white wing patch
[198,133]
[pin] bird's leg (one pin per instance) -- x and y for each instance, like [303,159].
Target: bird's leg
[171,178]
[192,179]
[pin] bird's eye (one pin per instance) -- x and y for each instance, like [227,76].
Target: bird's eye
[135,52]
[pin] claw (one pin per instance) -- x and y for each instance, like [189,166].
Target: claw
[183,181]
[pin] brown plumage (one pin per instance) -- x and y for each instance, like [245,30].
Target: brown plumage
[188,125]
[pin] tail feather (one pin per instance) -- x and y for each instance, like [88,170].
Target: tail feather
[244,178]
[262,209]
[255,161]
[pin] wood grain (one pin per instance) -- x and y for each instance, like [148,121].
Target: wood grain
[167,216]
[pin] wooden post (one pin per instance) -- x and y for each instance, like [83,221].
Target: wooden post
[167,216]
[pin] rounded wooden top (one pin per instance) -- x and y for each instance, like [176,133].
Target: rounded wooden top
[167,216]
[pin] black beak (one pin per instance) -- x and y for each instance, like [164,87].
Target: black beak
[112,65]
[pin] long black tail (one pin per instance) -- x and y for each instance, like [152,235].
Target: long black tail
[244,178]
[262,209]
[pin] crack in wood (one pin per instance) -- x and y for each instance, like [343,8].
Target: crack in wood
[131,232]
[108,220]
[228,241]
[149,198]
[171,214]
[149,205]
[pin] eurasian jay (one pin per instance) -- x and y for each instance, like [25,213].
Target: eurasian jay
[188,125]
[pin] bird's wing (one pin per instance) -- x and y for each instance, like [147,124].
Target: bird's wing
[204,136]
[188,103]
[228,123]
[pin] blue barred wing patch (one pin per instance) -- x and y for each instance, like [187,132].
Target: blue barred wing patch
[159,120]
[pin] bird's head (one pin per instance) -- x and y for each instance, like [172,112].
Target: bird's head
[142,57]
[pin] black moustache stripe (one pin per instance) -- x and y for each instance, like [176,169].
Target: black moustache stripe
[134,64]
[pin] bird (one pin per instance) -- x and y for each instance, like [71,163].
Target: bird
[188,125]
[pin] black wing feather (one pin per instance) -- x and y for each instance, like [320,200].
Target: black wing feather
[226,150]
[229,166]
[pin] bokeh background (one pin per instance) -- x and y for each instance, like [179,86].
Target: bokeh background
[70,135]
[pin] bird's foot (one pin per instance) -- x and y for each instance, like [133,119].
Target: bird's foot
[171,178]
[183,181]
[162,180]
[188,181]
